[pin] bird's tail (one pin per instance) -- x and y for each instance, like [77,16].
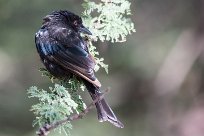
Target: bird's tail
[104,111]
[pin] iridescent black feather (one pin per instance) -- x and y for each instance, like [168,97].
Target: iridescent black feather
[64,53]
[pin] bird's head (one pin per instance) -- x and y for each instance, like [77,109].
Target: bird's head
[67,18]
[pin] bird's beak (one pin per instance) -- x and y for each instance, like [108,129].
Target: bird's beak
[84,30]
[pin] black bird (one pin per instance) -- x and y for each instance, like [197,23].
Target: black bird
[65,53]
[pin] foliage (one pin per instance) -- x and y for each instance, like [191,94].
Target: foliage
[53,105]
[63,99]
[107,20]
[104,26]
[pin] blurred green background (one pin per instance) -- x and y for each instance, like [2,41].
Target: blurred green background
[156,77]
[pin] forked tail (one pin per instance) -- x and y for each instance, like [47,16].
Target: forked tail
[104,111]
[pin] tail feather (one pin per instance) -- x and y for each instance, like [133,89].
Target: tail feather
[104,111]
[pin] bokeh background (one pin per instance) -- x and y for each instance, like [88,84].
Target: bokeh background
[156,77]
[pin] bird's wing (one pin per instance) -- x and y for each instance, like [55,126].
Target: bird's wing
[68,51]
[79,63]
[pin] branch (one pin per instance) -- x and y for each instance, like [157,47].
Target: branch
[44,131]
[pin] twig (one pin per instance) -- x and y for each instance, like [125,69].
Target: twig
[44,131]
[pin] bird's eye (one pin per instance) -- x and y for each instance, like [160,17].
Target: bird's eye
[75,23]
